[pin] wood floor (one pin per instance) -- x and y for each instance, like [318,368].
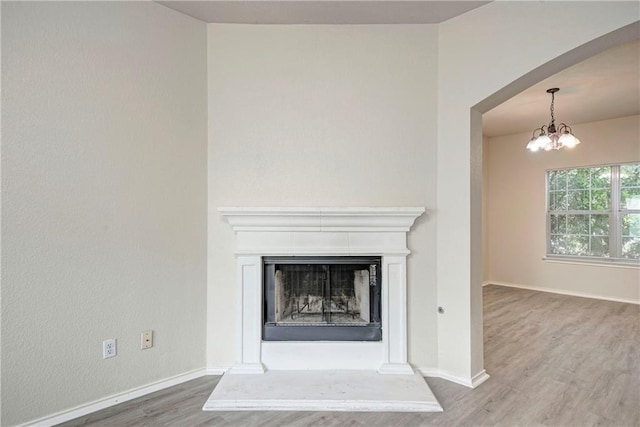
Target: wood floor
[553,359]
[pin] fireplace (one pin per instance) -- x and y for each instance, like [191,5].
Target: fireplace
[322,299]
[322,312]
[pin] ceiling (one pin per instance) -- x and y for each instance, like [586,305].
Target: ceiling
[323,11]
[602,87]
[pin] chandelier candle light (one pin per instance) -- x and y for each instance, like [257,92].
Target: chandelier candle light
[548,137]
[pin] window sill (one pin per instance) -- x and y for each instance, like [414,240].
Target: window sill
[591,262]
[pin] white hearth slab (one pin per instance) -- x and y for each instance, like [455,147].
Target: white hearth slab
[321,390]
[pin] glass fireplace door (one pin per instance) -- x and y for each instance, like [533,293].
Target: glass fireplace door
[322,298]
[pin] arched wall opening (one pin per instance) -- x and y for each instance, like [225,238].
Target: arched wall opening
[613,39]
[587,50]
[485,58]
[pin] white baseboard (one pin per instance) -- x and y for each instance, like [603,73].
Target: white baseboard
[479,378]
[473,382]
[561,292]
[97,405]
[216,370]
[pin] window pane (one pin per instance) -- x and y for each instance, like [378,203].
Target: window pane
[572,245]
[578,179]
[558,245]
[631,247]
[600,200]
[630,175]
[599,225]
[569,245]
[558,180]
[578,224]
[578,200]
[557,201]
[558,224]
[631,225]
[601,177]
[599,246]
[630,198]
[577,245]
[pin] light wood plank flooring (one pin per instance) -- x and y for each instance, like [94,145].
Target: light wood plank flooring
[553,359]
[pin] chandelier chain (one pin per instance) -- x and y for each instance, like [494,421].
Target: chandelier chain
[553,118]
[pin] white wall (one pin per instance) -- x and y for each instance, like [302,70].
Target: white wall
[322,116]
[486,55]
[485,222]
[516,210]
[104,200]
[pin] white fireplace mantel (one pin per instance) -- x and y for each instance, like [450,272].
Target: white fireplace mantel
[386,219]
[321,231]
[327,231]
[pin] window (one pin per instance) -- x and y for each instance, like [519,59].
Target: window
[594,213]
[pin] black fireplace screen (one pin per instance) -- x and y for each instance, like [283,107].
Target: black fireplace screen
[322,298]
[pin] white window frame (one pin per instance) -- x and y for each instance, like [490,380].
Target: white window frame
[615,220]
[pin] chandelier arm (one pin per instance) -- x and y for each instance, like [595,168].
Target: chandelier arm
[564,127]
[540,131]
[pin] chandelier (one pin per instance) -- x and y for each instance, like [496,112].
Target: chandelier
[548,137]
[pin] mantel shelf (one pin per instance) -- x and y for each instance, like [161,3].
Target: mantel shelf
[321,218]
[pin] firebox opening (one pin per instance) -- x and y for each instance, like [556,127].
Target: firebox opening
[322,299]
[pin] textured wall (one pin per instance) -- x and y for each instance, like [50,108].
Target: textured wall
[104,200]
[516,210]
[322,116]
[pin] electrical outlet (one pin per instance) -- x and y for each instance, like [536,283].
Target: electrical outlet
[109,348]
[146,339]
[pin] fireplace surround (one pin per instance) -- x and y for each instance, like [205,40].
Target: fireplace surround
[323,231]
